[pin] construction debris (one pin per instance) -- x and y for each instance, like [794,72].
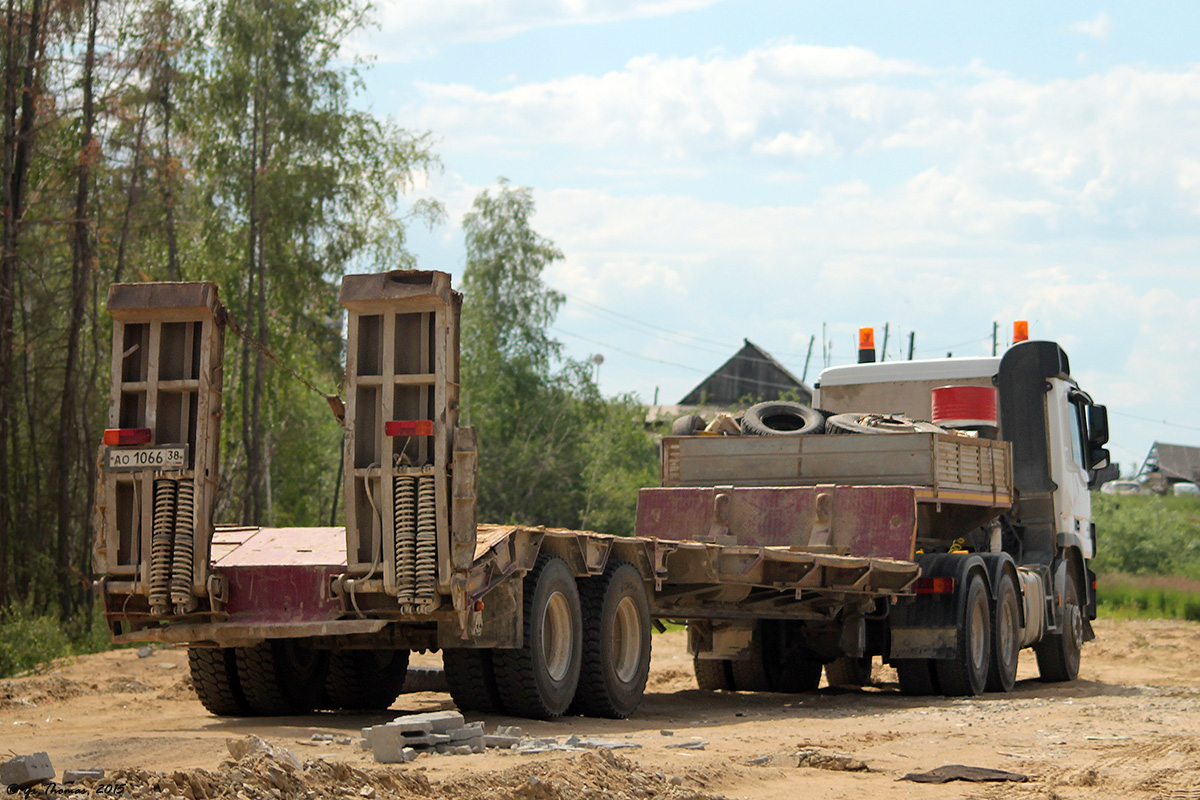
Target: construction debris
[27,770]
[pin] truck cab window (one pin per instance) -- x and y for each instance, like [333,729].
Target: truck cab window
[1074,412]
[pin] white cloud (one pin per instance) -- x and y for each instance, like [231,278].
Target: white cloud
[1098,28]
[424,26]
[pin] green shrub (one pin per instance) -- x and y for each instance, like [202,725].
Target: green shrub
[1147,535]
[30,641]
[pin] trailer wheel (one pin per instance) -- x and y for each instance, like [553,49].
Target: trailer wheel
[616,643]
[215,678]
[848,671]
[1006,637]
[790,667]
[281,677]
[917,676]
[472,678]
[713,674]
[965,674]
[1058,654]
[539,679]
[782,418]
[361,680]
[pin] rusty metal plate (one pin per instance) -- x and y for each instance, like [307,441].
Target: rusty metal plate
[867,521]
[280,594]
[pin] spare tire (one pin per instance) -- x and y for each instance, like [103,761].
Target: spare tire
[688,425]
[878,423]
[782,418]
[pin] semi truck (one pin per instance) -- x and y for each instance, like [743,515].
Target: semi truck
[785,552]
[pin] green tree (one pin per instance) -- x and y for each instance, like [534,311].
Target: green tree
[299,188]
[552,451]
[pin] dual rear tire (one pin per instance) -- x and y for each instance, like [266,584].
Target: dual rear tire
[586,649]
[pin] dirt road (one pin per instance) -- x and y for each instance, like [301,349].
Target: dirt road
[1129,728]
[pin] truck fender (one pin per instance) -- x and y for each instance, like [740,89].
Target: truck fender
[1070,565]
[926,626]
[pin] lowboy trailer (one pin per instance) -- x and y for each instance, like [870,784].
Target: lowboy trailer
[782,553]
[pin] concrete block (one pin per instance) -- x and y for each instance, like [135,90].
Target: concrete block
[26,770]
[509,730]
[425,739]
[439,721]
[471,731]
[393,751]
[77,775]
[505,742]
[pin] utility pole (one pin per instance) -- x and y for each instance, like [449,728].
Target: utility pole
[912,338]
[807,358]
[824,347]
[883,350]
[995,332]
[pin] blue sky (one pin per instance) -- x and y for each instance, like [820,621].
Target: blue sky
[775,170]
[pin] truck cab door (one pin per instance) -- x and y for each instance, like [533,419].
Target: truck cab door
[1070,454]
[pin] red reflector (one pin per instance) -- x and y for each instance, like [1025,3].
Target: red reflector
[408,427]
[935,586]
[120,436]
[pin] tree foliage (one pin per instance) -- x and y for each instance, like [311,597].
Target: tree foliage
[552,451]
[153,140]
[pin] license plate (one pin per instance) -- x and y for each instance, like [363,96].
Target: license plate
[171,456]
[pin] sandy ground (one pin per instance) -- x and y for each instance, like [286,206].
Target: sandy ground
[1129,728]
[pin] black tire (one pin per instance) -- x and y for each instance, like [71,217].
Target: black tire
[782,418]
[878,423]
[749,673]
[688,425]
[965,675]
[789,666]
[281,677]
[538,680]
[616,643]
[713,674]
[364,680]
[1006,636]
[849,672]
[1059,654]
[917,676]
[472,678]
[215,678]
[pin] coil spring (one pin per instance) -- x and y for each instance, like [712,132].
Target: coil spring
[404,493]
[161,537]
[181,573]
[426,567]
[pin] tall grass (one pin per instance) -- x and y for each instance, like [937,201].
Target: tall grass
[1138,597]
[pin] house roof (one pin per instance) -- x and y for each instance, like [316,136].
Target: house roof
[751,372]
[1176,462]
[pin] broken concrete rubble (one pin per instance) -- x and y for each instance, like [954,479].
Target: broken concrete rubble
[26,770]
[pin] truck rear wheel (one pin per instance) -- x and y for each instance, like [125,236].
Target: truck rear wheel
[281,677]
[539,679]
[917,676]
[616,643]
[849,671]
[361,680]
[713,674]
[215,678]
[965,674]
[1059,654]
[472,678]
[1006,637]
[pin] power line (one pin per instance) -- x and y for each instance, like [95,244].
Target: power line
[1170,425]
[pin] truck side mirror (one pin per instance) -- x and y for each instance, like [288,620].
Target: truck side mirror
[1098,426]
[1099,459]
